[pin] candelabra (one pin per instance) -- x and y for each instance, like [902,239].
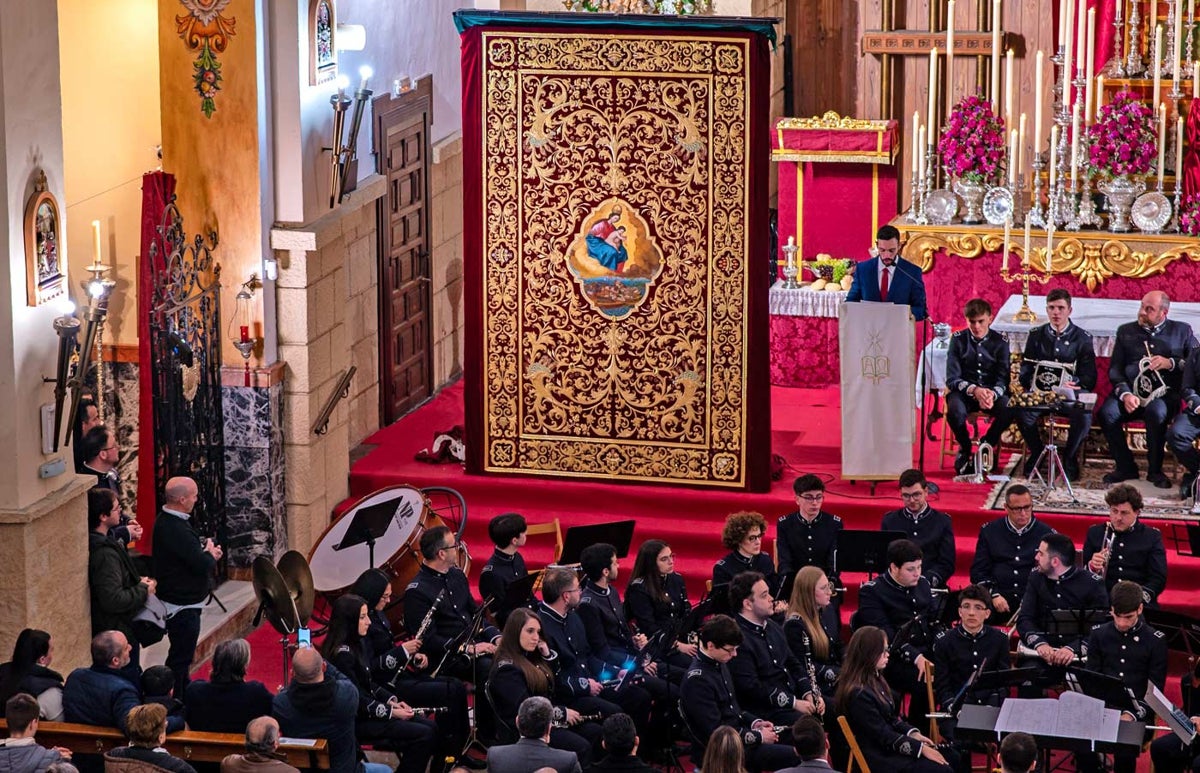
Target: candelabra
[1133,60]
[926,185]
[1191,31]
[1175,225]
[1035,215]
[1115,67]
[1027,275]
[1087,206]
[916,210]
[1167,65]
[790,269]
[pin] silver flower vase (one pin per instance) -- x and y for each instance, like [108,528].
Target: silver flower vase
[971,192]
[1120,192]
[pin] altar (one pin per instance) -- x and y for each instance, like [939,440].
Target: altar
[804,336]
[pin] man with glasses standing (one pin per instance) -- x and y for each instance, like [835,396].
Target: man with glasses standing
[930,529]
[1004,553]
[808,536]
[450,636]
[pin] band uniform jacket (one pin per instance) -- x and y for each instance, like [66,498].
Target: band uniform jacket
[1191,381]
[497,574]
[453,615]
[882,735]
[708,701]
[575,663]
[932,531]
[1137,657]
[956,655]
[656,614]
[735,563]
[802,543]
[1004,556]
[978,362]
[886,604]
[1171,339]
[798,641]
[767,677]
[906,286]
[1073,346]
[603,617]
[1137,554]
[1076,589]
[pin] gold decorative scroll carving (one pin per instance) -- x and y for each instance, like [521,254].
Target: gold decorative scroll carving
[1092,257]
[632,368]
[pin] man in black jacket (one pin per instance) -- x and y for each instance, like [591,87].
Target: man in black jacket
[621,742]
[183,565]
[1124,548]
[506,566]
[117,592]
[977,377]
[929,528]
[100,455]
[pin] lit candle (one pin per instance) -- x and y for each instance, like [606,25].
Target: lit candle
[1069,42]
[1080,39]
[791,241]
[96,242]
[1037,105]
[365,72]
[930,115]
[1075,144]
[1007,234]
[995,56]
[1156,64]
[916,146]
[949,56]
[1178,151]
[245,333]
[1008,87]
[1162,140]
[1178,53]
[1090,70]
[1021,144]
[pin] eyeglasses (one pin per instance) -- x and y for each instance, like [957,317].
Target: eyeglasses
[911,494]
[730,648]
[812,497]
[573,590]
[451,546]
[1020,508]
[753,537]
[110,448]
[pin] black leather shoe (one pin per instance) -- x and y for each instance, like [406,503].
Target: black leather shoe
[1185,486]
[964,464]
[1159,480]
[1116,476]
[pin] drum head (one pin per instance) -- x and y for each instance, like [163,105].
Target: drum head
[336,566]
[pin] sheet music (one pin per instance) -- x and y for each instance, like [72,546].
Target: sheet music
[1179,722]
[1072,715]
[1027,715]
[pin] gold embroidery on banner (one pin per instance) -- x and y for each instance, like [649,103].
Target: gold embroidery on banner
[575,127]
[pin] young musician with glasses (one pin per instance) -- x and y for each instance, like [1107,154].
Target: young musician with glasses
[808,536]
[930,529]
[743,534]
[657,600]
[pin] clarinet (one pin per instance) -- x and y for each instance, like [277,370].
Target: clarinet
[429,615]
[429,709]
[562,723]
[812,674]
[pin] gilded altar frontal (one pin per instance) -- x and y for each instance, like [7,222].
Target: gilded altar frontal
[616,186]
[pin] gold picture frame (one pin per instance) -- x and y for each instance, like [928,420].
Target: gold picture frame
[322,41]
[44,278]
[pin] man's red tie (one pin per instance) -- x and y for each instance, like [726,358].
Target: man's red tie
[883,282]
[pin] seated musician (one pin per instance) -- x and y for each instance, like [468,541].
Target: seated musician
[656,601]
[767,678]
[1124,548]
[813,632]
[522,669]
[930,529]
[978,379]
[383,720]
[887,742]
[450,638]
[901,598]
[506,564]
[958,652]
[1057,584]
[1181,438]
[1004,552]
[405,671]
[743,534]
[708,700]
[1059,340]
[1128,648]
[579,671]
[808,536]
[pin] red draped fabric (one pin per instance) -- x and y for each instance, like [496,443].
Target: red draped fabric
[157,190]
[1191,159]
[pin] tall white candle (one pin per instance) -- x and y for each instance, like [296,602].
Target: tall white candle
[921,142]
[1007,235]
[1162,140]
[1099,95]
[916,143]
[1021,144]
[949,56]
[1157,62]
[1069,42]
[1153,14]
[1062,21]
[1028,236]
[1090,67]
[95,242]
[930,115]
[995,56]
[1012,159]
[1075,144]
[1196,80]
[1008,88]
[1053,158]
[1037,105]
[1080,40]
[1178,151]
[1178,52]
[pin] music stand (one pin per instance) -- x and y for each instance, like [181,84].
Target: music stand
[369,524]
[1078,623]
[718,599]
[948,612]
[1186,537]
[1182,631]
[864,550]
[518,593]
[619,534]
[1107,688]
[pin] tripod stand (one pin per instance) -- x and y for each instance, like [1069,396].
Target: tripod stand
[1054,469]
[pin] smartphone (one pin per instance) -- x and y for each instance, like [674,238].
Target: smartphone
[304,637]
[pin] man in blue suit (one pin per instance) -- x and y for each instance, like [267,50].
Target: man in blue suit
[905,284]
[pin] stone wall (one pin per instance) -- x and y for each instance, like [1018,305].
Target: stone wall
[327,321]
[446,193]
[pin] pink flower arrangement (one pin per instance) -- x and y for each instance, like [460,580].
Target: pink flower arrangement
[1122,140]
[1189,214]
[972,144]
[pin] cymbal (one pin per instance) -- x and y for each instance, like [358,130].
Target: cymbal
[274,596]
[299,579]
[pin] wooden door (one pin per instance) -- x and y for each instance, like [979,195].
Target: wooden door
[402,147]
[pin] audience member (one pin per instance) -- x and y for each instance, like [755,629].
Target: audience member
[808,736]
[262,744]
[725,752]
[158,686]
[103,694]
[88,416]
[117,592]
[1004,551]
[977,377]
[930,529]
[20,752]
[506,564]
[656,601]
[532,751]
[813,629]
[29,672]
[621,746]
[1018,753]
[1125,548]
[183,564]
[146,727]
[226,702]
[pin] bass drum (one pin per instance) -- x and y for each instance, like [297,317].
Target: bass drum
[408,513]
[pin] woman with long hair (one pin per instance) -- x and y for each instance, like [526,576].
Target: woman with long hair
[864,698]
[521,669]
[813,628]
[226,702]
[383,720]
[724,753]
[29,672]
[657,602]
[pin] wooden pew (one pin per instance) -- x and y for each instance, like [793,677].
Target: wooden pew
[190,745]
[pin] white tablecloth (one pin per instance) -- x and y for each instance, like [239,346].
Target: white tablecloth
[804,302]
[1099,316]
[935,354]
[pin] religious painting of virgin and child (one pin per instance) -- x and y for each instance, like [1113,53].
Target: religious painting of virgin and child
[614,258]
[43,245]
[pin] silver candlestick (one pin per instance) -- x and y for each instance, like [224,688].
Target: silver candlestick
[1018,211]
[1036,218]
[790,269]
[1087,205]
[1167,65]
[1133,59]
[915,209]
[1115,67]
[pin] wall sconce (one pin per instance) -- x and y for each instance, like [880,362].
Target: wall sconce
[241,322]
[344,155]
[99,290]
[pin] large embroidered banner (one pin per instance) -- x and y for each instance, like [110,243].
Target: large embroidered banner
[615,239]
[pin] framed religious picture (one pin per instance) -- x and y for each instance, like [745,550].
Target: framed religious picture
[322,34]
[43,245]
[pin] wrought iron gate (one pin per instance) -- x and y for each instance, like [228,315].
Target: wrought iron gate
[185,343]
